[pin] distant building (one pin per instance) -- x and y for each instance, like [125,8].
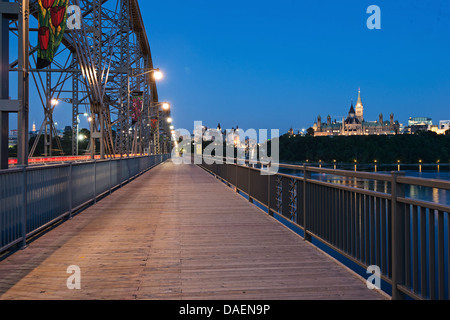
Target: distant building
[444,125]
[420,121]
[418,124]
[355,124]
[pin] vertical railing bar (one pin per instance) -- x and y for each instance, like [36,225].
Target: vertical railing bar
[95,181]
[354,215]
[415,245]
[306,203]
[312,224]
[248,184]
[349,222]
[383,236]
[366,230]
[441,261]
[407,246]
[313,209]
[327,213]
[378,227]
[321,203]
[324,212]
[398,237]
[331,215]
[423,252]
[337,230]
[269,181]
[296,199]
[69,191]
[389,237]
[372,230]
[355,225]
[336,217]
[316,206]
[448,254]
[110,174]
[358,226]
[344,220]
[432,257]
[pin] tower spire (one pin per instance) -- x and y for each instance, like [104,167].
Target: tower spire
[359,97]
[359,107]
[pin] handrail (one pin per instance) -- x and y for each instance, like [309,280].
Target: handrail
[401,235]
[33,198]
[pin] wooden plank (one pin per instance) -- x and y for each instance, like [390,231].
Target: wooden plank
[176,233]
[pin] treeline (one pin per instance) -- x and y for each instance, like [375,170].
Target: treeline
[65,142]
[427,147]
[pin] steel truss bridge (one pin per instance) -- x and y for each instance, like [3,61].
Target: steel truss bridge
[96,70]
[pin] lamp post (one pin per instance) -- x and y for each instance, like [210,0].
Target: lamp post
[162,114]
[157,75]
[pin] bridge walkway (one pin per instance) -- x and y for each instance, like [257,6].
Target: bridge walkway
[176,232]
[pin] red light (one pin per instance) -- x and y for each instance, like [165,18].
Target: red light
[13,162]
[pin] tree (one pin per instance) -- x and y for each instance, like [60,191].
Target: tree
[310,132]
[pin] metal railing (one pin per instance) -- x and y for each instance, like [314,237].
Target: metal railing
[34,198]
[406,238]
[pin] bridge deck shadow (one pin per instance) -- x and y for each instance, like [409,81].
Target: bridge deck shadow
[176,233]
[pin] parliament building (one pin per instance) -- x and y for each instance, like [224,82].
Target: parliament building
[355,124]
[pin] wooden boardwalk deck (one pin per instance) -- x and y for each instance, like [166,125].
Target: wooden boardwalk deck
[176,233]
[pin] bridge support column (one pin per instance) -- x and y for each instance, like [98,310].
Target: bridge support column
[23,84]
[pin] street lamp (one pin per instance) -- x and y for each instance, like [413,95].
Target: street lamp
[166,106]
[157,74]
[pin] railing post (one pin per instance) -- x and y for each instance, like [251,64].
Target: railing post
[69,191]
[249,190]
[269,182]
[235,162]
[398,236]
[24,207]
[306,177]
[110,173]
[95,181]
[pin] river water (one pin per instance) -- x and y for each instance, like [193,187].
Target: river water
[440,196]
[439,172]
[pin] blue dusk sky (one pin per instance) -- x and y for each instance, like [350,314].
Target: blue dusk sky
[276,64]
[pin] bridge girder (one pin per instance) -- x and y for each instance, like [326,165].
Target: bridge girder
[94,67]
